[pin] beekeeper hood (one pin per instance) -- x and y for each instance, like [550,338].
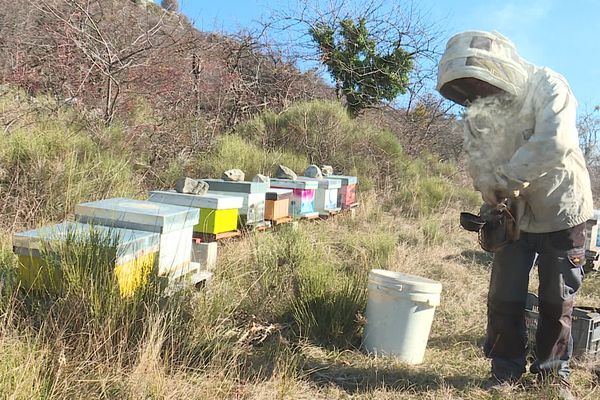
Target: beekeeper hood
[479,64]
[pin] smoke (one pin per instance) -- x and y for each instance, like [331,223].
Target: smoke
[489,140]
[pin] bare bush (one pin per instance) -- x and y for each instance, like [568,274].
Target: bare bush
[170,5]
[428,127]
[173,88]
[588,126]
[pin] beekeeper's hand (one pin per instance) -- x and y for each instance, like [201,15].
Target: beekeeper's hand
[489,189]
[492,197]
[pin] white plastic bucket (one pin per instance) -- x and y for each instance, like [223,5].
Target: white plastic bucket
[399,314]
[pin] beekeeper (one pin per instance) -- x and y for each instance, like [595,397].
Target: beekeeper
[521,138]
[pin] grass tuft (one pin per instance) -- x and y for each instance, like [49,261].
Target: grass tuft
[329,306]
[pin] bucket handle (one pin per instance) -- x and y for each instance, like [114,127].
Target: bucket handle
[397,288]
[416,297]
[425,298]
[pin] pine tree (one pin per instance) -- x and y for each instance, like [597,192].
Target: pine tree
[365,72]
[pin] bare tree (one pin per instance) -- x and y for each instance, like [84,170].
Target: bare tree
[588,125]
[112,48]
[257,76]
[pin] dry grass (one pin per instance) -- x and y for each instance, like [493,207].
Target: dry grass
[242,342]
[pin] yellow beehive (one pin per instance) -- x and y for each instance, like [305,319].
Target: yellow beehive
[218,213]
[132,253]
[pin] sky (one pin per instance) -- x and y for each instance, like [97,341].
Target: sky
[562,35]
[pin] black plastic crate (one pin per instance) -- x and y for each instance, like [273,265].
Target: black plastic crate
[585,329]
[531,318]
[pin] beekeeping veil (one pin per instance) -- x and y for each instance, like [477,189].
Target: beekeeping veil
[478,64]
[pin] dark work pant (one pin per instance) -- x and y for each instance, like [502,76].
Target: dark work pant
[561,257]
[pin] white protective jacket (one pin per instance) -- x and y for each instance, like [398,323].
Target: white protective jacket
[525,141]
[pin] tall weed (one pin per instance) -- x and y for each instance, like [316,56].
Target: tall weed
[329,305]
[82,306]
[24,368]
[49,162]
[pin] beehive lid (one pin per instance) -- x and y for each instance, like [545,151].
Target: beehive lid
[346,179]
[296,184]
[325,183]
[210,200]
[137,214]
[276,194]
[237,187]
[127,241]
[244,196]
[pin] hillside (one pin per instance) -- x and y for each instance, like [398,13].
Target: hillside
[120,62]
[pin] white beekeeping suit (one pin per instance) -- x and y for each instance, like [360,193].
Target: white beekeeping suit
[525,135]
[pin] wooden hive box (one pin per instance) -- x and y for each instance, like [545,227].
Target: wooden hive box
[302,204]
[175,224]
[134,254]
[218,213]
[277,204]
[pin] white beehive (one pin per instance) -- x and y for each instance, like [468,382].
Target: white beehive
[253,208]
[253,193]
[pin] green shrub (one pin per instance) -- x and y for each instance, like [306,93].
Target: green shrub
[423,196]
[297,276]
[83,306]
[232,151]
[368,250]
[329,305]
[317,129]
[274,264]
[325,134]
[470,199]
[8,280]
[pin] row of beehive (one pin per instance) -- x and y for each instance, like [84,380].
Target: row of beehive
[156,235]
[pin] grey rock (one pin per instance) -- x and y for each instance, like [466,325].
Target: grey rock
[312,171]
[327,170]
[191,186]
[261,178]
[233,175]
[284,172]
